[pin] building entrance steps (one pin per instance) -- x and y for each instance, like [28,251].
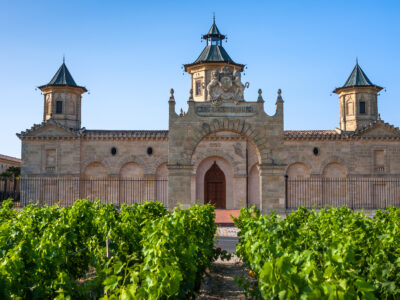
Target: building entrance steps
[223,216]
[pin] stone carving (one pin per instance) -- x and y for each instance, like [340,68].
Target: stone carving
[226,86]
[238,150]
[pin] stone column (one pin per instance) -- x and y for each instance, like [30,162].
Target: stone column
[272,188]
[179,185]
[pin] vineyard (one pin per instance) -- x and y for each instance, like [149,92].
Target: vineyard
[99,251]
[331,254]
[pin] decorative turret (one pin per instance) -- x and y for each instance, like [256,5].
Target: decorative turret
[62,99]
[213,57]
[358,101]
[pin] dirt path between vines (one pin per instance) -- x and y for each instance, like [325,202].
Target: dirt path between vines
[219,281]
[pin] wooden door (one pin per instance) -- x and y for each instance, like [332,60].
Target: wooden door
[214,187]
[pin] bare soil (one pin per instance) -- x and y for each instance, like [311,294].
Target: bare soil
[219,281]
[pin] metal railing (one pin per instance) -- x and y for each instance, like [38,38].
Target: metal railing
[64,191]
[355,193]
[9,188]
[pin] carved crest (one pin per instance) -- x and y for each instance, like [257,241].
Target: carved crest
[226,86]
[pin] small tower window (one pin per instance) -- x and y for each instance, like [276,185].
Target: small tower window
[198,87]
[362,107]
[149,151]
[59,107]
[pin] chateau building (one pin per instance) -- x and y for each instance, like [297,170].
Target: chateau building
[224,149]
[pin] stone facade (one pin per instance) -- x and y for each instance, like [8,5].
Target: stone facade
[251,148]
[8,161]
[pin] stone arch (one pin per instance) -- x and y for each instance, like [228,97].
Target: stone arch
[254,186]
[152,168]
[131,170]
[95,170]
[197,159]
[334,170]
[329,160]
[238,126]
[228,171]
[162,170]
[96,158]
[132,158]
[298,170]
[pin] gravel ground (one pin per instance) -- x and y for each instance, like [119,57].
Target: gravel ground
[219,281]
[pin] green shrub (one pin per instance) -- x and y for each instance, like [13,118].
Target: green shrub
[51,252]
[334,253]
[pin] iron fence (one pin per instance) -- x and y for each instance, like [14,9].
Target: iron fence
[355,193]
[65,191]
[317,192]
[10,188]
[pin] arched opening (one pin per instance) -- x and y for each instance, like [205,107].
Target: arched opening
[215,187]
[95,184]
[334,185]
[254,186]
[334,170]
[298,170]
[234,154]
[131,170]
[132,186]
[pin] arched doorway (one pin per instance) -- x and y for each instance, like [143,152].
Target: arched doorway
[214,187]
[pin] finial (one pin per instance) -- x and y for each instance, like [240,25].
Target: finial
[191,95]
[279,99]
[171,97]
[379,117]
[213,17]
[181,114]
[260,98]
[356,60]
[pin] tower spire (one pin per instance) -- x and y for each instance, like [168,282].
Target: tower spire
[213,17]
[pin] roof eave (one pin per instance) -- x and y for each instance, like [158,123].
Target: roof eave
[218,35]
[186,66]
[44,87]
[343,88]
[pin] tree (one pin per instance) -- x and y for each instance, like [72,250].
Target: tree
[11,173]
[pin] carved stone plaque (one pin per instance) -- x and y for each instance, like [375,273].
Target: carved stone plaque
[245,109]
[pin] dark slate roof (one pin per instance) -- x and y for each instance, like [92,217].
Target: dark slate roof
[214,29]
[62,77]
[213,53]
[358,78]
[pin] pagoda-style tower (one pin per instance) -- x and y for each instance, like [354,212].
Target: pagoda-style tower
[358,101]
[62,99]
[213,57]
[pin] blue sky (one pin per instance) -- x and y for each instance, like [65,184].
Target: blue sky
[130,53]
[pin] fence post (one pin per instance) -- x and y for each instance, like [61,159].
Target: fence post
[108,248]
[286,190]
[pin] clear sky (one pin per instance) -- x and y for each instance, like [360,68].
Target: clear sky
[130,53]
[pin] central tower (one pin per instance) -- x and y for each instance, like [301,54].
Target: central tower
[213,57]
[216,104]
